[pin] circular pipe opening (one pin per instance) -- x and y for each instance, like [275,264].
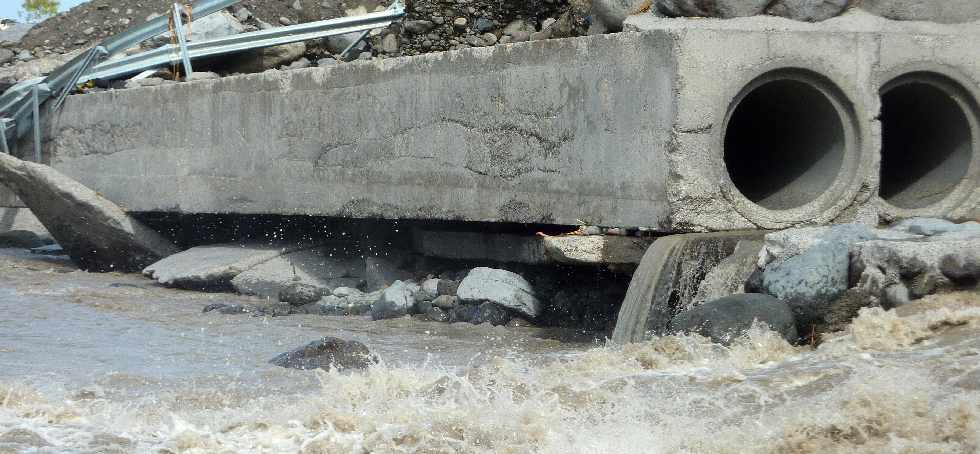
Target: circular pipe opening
[784,143]
[927,142]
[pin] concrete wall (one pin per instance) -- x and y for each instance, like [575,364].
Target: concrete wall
[550,132]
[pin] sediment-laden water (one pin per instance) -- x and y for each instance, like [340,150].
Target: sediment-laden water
[112,363]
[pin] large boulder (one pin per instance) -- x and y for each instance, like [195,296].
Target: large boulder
[327,353]
[395,301]
[730,275]
[877,266]
[96,234]
[808,10]
[818,275]
[501,287]
[943,11]
[258,60]
[782,245]
[213,266]
[711,8]
[314,267]
[725,319]
[962,268]
[607,15]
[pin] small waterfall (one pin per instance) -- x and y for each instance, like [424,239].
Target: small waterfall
[666,281]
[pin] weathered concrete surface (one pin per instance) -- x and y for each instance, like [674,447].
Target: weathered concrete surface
[880,51]
[534,132]
[626,129]
[95,233]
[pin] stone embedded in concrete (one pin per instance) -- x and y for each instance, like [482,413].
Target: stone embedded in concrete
[95,232]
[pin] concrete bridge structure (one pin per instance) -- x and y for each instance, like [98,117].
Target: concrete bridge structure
[675,124]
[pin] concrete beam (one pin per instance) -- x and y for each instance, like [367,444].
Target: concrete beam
[678,125]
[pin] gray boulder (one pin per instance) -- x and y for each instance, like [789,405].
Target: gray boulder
[444,302]
[259,60]
[961,268]
[299,294]
[607,16]
[6,55]
[808,10]
[818,275]
[314,267]
[725,319]
[728,277]
[942,11]
[347,302]
[395,301]
[212,266]
[22,239]
[878,265]
[711,8]
[501,287]
[782,245]
[97,234]
[492,314]
[436,314]
[327,353]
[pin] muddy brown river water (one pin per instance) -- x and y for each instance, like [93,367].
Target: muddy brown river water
[113,363]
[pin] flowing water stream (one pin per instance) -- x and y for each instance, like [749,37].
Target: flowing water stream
[111,363]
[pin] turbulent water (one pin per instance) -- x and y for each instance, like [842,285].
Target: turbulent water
[111,363]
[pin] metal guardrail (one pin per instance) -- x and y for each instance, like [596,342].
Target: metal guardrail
[171,54]
[23,100]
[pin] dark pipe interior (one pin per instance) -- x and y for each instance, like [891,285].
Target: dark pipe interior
[784,144]
[926,144]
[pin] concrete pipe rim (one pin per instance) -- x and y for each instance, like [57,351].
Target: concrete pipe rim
[812,181]
[938,179]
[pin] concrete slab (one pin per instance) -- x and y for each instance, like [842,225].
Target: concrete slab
[678,125]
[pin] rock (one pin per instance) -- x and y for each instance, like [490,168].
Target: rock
[430,288]
[711,8]
[243,14]
[390,43]
[24,55]
[421,307]
[444,302]
[813,320]
[502,287]
[334,305]
[447,287]
[326,62]
[519,25]
[97,234]
[6,55]
[214,25]
[942,11]
[808,10]
[489,39]
[395,301]
[313,266]
[492,314]
[213,266]
[465,313]
[437,314]
[297,5]
[818,275]
[731,274]
[21,239]
[285,21]
[13,32]
[227,309]
[267,58]
[299,294]
[782,245]
[484,25]
[879,264]
[933,227]
[302,63]
[961,268]
[327,353]
[459,23]
[418,27]
[608,15]
[725,319]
